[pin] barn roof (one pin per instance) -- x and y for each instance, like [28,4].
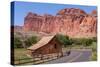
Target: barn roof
[41,43]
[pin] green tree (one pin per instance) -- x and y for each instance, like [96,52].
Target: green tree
[76,41]
[17,42]
[31,40]
[94,39]
[86,42]
[82,41]
[63,39]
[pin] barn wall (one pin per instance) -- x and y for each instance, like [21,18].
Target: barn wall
[50,48]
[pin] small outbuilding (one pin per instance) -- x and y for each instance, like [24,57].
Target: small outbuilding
[47,45]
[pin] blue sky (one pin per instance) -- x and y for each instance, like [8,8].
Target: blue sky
[22,8]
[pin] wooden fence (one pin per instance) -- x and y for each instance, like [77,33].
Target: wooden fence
[37,60]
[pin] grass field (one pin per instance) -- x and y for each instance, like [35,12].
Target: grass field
[20,54]
[21,57]
[94,52]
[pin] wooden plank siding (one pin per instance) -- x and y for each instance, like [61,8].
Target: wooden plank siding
[51,48]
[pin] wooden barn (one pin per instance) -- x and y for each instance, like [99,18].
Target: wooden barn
[48,45]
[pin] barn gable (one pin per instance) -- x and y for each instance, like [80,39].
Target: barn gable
[45,40]
[48,45]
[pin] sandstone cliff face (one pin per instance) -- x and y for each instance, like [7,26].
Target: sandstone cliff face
[70,21]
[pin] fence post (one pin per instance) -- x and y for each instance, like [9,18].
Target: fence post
[19,59]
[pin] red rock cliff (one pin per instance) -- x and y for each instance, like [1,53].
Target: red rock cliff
[70,21]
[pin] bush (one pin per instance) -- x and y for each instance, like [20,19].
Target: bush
[17,43]
[88,42]
[82,41]
[94,39]
[64,40]
[76,41]
[31,40]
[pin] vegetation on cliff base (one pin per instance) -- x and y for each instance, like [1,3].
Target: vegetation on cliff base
[64,40]
[31,40]
[17,42]
[24,43]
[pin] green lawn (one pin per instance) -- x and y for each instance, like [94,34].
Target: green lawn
[21,57]
[94,52]
[19,53]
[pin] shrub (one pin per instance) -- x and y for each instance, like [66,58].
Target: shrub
[82,41]
[94,39]
[17,43]
[63,39]
[31,40]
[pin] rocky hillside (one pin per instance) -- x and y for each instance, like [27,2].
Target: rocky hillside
[18,28]
[69,21]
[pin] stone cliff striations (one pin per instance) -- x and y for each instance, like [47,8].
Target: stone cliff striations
[70,21]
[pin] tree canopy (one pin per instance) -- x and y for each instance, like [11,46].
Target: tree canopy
[65,40]
[17,43]
[31,40]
